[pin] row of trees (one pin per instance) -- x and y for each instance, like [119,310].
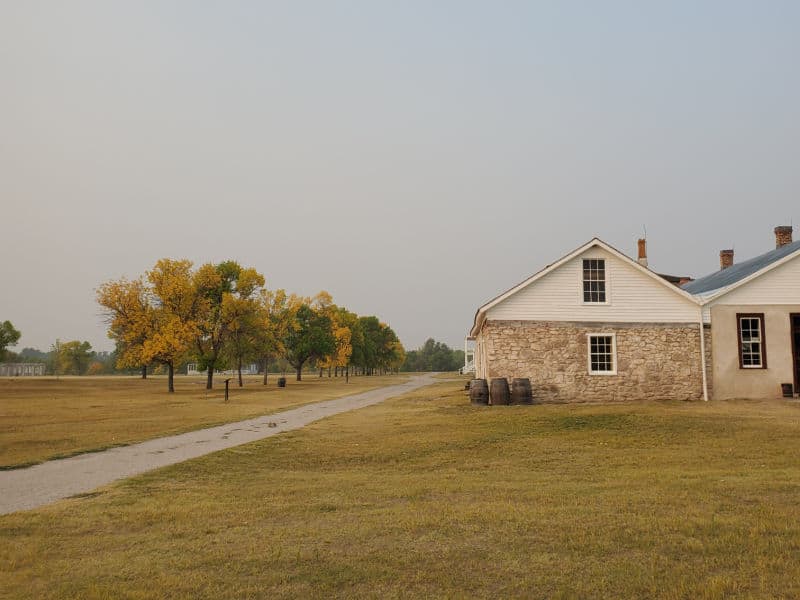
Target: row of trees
[433,356]
[222,315]
[67,358]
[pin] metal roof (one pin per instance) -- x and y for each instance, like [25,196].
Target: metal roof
[737,272]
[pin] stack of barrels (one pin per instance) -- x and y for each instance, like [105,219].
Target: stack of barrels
[500,394]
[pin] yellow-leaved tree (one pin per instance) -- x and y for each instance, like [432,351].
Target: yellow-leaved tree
[277,312]
[153,320]
[126,306]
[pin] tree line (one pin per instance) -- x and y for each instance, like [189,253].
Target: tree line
[65,358]
[433,356]
[222,315]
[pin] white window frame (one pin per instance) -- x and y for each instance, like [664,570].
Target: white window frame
[613,337]
[762,350]
[605,302]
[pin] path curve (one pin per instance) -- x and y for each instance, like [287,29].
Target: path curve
[24,489]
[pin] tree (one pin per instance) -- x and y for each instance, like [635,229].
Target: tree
[55,352]
[433,356]
[171,316]
[243,312]
[379,347]
[74,357]
[310,336]
[276,315]
[217,286]
[128,311]
[153,319]
[8,337]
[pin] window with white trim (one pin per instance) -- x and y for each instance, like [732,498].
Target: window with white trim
[602,354]
[594,280]
[752,353]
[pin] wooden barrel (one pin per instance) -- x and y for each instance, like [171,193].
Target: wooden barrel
[498,391]
[521,391]
[478,392]
[281,381]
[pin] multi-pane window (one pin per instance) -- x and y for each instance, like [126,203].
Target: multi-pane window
[752,354]
[602,352]
[594,280]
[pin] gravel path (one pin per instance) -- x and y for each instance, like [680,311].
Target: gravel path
[23,489]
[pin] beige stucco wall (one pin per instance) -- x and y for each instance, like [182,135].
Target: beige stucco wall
[730,381]
[654,360]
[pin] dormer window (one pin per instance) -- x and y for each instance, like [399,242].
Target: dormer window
[594,280]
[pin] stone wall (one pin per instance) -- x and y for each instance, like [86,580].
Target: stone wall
[654,360]
[709,361]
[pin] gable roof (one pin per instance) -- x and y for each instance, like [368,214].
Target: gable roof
[480,314]
[739,273]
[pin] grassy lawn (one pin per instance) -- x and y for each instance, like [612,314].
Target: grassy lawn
[44,418]
[426,496]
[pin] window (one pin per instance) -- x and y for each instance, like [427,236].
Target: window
[602,354]
[752,350]
[594,280]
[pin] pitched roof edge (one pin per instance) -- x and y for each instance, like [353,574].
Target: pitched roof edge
[595,241]
[718,293]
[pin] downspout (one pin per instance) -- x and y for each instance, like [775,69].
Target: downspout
[703,355]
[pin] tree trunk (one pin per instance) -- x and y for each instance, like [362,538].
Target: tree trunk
[171,378]
[320,371]
[347,374]
[240,371]
[299,372]
[266,369]
[329,371]
[210,378]
[144,371]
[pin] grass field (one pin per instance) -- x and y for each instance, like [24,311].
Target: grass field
[44,418]
[426,496]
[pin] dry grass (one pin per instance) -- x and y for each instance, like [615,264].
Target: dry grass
[426,496]
[45,418]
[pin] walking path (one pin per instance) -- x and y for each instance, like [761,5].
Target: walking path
[24,489]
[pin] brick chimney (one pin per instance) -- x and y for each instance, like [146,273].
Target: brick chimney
[642,252]
[725,259]
[783,235]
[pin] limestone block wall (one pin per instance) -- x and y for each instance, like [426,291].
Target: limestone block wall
[654,360]
[709,362]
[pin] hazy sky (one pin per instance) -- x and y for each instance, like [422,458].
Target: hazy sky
[412,158]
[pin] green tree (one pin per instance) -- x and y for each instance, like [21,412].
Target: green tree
[433,356]
[8,337]
[74,357]
[219,287]
[310,336]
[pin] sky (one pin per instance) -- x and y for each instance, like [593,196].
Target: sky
[412,158]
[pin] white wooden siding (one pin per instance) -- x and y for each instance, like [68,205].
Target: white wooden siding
[632,297]
[781,285]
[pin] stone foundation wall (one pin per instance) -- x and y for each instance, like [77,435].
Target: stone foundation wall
[709,362]
[654,361]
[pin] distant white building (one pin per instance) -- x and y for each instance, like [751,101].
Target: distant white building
[22,369]
[251,369]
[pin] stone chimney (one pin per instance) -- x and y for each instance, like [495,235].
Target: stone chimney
[725,259]
[642,252]
[783,235]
